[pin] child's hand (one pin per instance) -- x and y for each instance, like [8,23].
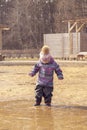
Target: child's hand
[61,78]
[30,74]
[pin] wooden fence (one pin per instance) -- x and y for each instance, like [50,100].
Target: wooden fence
[65,45]
[20,53]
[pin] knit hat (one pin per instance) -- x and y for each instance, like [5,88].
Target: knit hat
[45,54]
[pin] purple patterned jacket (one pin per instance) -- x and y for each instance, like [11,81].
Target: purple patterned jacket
[46,72]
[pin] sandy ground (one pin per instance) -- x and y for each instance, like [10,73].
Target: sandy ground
[15,84]
[17,98]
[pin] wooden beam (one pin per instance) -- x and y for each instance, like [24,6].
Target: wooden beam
[75,20]
[0,40]
[70,43]
[6,29]
[68,26]
[71,28]
[2,27]
[79,28]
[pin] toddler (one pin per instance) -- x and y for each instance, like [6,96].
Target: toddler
[45,68]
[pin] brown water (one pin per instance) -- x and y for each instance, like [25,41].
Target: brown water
[69,105]
[22,115]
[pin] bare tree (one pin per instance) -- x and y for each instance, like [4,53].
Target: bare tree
[30,19]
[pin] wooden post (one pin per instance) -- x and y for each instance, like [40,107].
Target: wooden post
[2,27]
[77,37]
[77,30]
[0,40]
[70,43]
[68,26]
[70,37]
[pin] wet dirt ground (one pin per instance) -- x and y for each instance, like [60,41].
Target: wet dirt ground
[69,103]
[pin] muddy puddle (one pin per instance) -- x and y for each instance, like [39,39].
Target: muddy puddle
[69,105]
[22,115]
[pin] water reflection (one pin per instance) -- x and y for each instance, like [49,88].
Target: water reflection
[22,115]
[44,118]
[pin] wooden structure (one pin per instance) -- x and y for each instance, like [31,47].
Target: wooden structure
[2,27]
[75,26]
[67,45]
[59,44]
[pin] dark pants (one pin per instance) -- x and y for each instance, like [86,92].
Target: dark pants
[43,91]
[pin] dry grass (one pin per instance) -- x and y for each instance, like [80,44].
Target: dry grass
[15,84]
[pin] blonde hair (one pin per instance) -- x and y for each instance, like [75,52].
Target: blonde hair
[45,50]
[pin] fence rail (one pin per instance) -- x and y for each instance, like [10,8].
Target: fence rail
[20,53]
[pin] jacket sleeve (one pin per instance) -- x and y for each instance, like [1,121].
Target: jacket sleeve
[34,70]
[58,71]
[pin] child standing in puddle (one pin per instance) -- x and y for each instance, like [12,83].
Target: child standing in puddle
[45,68]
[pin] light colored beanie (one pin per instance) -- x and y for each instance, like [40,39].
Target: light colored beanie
[45,54]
